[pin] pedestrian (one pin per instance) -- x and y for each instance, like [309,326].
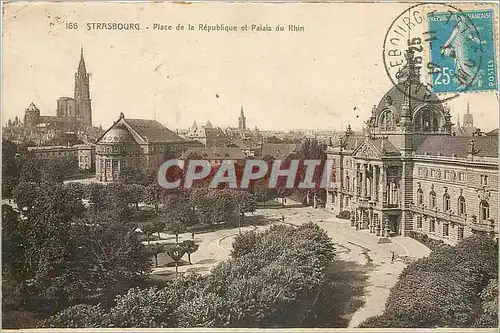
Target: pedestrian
[393,256]
[282,217]
[192,235]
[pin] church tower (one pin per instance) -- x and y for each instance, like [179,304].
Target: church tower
[468,119]
[242,123]
[82,94]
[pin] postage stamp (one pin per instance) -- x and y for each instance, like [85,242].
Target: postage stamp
[463,44]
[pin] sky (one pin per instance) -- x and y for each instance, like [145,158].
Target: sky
[313,79]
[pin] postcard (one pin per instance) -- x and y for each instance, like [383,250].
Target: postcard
[248,165]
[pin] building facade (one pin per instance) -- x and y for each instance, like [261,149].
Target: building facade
[138,143]
[84,154]
[408,172]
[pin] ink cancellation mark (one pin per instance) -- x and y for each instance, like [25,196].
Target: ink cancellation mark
[409,35]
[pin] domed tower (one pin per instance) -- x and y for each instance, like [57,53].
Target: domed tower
[410,107]
[115,150]
[31,116]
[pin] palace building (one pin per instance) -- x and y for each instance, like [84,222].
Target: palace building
[408,172]
[138,143]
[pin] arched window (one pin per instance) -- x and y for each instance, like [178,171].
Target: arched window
[347,182]
[420,197]
[432,200]
[484,210]
[386,120]
[446,202]
[461,206]
[427,121]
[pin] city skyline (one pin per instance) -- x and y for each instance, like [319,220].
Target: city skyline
[275,83]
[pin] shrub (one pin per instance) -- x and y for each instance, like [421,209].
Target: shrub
[432,244]
[453,287]
[268,282]
[345,214]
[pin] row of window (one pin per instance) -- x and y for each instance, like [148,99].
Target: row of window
[449,175]
[438,174]
[445,230]
[484,207]
[65,153]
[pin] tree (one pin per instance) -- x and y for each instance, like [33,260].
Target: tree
[136,193]
[118,199]
[445,288]
[148,229]
[177,228]
[10,169]
[176,253]
[155,249]
[30,168]
[159,226]
[152,195]
[269,286]
[131,175]
[97,195]
[244,244]
[189,247]
[25,194]
[78,316]
[64,255]
[488,316]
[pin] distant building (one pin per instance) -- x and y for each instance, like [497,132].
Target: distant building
[409,173]
[242,131]
[249,146]
[207,135]
[242,121]
[467,129]
[85,154]
[215,155]
[138,143]
[279,151]
[493,133]
[72,114]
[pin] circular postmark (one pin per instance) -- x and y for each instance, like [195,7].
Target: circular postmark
[434,47]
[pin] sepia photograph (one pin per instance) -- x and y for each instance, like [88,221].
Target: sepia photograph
[250,165]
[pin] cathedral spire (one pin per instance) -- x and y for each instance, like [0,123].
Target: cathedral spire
[81,66]
[242,125]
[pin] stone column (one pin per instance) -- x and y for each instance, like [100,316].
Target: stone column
[387,228]
[372,226]
[356,179]
[363,181]
[384,184]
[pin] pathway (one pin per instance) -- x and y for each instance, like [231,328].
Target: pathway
[355,246]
